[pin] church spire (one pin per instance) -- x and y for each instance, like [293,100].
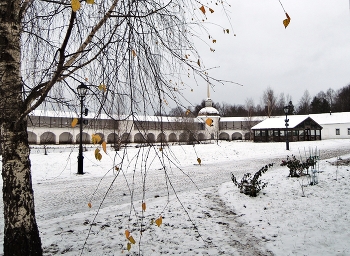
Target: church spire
[208,92]
[208,101]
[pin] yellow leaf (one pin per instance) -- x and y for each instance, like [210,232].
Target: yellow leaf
[116,168]
[286,21]
[209,122]
[102,87]
[131,239]
[95,138]
[74,122]
[214,41]
[89,204]
[128,246]
[144,206]
[188,112]
[159,221]
[104,146]
[75,5]
[133,53]
[127,233]
[199,63]
[90,1]
[202,9]
[227,31]
[199,161]
[211,10]
[98,155]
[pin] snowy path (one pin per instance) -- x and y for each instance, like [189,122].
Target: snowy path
[63,217]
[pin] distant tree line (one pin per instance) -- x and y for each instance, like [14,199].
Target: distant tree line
[272,104]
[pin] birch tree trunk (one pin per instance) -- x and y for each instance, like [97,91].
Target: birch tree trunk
[21,235]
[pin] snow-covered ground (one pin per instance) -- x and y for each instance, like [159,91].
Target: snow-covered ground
[206,216]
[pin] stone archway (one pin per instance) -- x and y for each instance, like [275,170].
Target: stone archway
[161,137]
[151,138]
[48,138]
[172,137]
[65,138]
[112,138]
[32,138]
[139,138]
[125,138]
[183,137]
[236,136]
[224,136]
[86,138]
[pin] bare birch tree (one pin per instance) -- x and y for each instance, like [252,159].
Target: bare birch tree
[269,99]
[304,104]
[131,54]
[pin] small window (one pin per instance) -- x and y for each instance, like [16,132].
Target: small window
[348,131]
[337,131]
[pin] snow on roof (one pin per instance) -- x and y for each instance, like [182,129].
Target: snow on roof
[280,123]
[321,119]
[244,118]
[141,118]
[334,118]
[208,111]
[294,120]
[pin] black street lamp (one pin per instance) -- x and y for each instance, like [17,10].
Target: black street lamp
[286,110]
[82,90]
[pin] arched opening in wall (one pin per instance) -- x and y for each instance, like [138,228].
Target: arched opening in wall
[112,138]
[184,137]
[192,138]
[151,138]
[139,138]
[101,135]
[161,137]
[236,136]
[224,136]
[247,136]
[65,138]
[86,138]
[32,138]
[48,138]
[172,137]
[201,136]
[125,138]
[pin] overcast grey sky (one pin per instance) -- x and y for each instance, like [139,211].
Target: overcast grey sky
[312,53]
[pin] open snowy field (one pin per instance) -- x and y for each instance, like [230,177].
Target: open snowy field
[206,216]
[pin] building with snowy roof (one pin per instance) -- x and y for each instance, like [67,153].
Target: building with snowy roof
[301,128]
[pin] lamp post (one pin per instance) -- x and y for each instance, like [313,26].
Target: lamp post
[286,110]
[82,90]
